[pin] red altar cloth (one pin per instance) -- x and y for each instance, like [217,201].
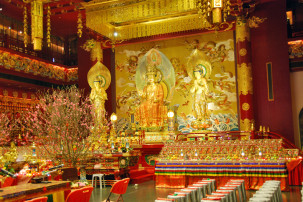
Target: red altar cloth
[295,172]
[178,174]
[253,183]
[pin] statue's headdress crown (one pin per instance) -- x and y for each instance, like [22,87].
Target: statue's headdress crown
[151,70]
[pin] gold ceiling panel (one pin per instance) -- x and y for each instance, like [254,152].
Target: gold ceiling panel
[141,18]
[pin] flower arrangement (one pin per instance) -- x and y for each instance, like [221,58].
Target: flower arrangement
[62,123]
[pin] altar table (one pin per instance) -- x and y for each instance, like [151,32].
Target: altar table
[29,190]
[179,174]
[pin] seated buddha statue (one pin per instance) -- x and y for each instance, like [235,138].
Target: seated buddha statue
[152,111]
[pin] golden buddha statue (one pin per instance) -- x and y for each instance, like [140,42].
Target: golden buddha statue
[98,97]
[155,83]
[99,79]
[152,112]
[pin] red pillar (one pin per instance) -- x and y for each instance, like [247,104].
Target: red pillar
[244,74]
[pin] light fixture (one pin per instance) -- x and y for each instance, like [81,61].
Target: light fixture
[242,153]
[170,114]
[113,117]
[290,17]
[115,34]
[37,23]
[212,11]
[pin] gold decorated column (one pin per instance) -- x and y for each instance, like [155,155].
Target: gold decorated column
[244,74]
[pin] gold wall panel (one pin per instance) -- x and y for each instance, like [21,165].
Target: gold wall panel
[222,99]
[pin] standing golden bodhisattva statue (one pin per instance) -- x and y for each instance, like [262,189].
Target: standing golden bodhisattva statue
[98,97]
[99,79]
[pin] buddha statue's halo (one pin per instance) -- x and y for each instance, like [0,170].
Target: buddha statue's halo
[95,72]
[157,60]
[199,61]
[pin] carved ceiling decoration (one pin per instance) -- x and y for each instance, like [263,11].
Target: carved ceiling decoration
[132,19]
[128,19]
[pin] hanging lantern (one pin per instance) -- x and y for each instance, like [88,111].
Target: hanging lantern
[217,11]
[48,38]
[226,9]
[80,26]
[37,23]
[25,27]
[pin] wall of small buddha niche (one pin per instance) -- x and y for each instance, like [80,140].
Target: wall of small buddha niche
[13,100]
[222,97]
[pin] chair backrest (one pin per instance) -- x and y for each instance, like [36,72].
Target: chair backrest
[120,186]
[82,195]
[40,199]
[70,174]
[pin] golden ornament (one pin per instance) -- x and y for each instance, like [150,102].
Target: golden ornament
[243,52]
[245,106]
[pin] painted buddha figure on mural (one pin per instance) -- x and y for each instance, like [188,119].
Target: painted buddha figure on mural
[199,91]
[152,107]
[98,97]
[199,69]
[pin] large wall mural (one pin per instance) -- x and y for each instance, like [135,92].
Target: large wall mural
[205,62]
